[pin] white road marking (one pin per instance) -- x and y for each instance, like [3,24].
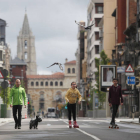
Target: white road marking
[92,136]
[48,124]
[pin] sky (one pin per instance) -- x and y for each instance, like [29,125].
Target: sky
[53,25]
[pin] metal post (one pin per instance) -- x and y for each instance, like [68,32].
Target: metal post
[137,35]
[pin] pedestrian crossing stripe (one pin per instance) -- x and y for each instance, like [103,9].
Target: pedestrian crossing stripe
[1,76]
[129,69]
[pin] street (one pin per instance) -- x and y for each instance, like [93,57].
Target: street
[57,129]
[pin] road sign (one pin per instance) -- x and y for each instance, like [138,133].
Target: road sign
[129,74]
[5,72]
[131,80]
[121,69]
[1,75]
[129,69]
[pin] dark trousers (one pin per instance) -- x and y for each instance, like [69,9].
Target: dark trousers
[71,108]
[115,109]
[19,109]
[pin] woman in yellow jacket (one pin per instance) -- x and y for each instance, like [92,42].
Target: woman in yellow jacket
[71,97]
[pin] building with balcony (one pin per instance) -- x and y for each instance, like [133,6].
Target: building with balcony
[95,13]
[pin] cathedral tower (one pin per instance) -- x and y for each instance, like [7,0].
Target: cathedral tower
[26,47]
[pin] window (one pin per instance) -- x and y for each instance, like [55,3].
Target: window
[96,49]
[97,20]
[36,83]
[61,83]
[73,70]
[46,84]
[41,105]
[32,83]
[51,83]
[42,96]
[99,8]
[0,55]
[68,70]
[25,44]
[13,66]
[25,55]
[41,83]
[56,83]
[96,35]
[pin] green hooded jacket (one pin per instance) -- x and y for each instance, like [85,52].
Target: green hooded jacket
[17,94]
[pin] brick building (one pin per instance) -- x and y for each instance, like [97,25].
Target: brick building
[18,71]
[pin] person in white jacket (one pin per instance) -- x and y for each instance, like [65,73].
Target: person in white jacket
[109,75]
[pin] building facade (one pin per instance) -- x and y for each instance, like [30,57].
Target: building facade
[49,90]
[95,13]
[18,71]
[26,47]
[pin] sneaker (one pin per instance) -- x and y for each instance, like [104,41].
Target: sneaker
[16,126]
[19,127]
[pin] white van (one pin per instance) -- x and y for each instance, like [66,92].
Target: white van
[51,112]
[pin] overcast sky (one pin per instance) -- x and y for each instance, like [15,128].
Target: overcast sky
[52,24]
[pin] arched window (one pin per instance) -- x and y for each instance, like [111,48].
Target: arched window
[25,55]
[25,44]
[56,83]
[41,83]
[51,83]
[68,70]
[46,84]
[32,83]
[73,70]
[61,83]
[36,83]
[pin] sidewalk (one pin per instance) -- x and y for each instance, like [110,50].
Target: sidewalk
[5,120]
[128,120]
[123,120]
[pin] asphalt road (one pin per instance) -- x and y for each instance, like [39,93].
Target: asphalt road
[57,129]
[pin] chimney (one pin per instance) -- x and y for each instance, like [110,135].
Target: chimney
[66,60]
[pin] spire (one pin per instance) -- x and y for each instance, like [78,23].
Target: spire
[25,27]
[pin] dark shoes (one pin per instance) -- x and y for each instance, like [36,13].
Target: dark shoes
[19,127]
[16,125]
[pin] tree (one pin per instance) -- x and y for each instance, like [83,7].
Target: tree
[103,60]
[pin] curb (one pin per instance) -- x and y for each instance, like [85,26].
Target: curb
[130,122]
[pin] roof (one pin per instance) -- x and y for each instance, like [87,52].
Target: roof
[58,75]
[25,26]
[17,61]
[71,62]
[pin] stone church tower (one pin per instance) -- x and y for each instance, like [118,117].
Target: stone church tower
[26,47]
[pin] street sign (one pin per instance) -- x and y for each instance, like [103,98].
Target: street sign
[121,69]
[129,74]
[129,69]
[131,80]
[1,75]
[5,72]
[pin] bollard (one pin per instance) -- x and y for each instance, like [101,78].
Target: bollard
[139,119]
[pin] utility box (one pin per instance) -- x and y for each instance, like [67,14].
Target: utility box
[3,110]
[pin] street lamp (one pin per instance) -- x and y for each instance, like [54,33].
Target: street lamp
[120,50]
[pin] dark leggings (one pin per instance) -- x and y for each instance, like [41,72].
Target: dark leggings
[115,109]
[72,108]
[19,109]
